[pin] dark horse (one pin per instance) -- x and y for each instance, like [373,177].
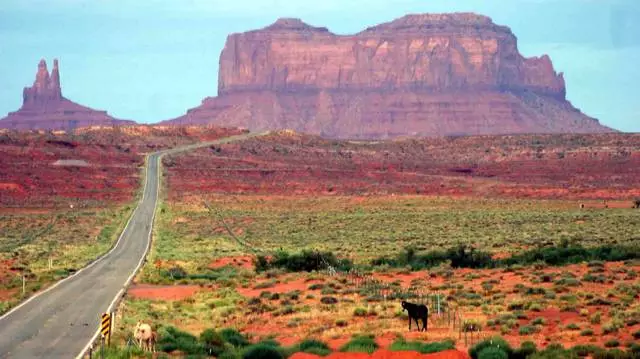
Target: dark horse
[417,311]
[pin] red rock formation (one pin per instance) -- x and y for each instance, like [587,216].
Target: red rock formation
[44,107]
[431,74]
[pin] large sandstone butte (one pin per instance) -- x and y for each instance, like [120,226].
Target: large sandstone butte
[431,74]
[44,107]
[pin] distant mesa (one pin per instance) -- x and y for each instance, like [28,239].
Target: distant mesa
[44,107]
[424,74]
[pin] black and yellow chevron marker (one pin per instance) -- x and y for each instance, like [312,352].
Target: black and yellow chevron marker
[105,326]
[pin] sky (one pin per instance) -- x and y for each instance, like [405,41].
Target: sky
[152,60]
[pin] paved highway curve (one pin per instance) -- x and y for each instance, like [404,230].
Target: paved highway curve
[62,320]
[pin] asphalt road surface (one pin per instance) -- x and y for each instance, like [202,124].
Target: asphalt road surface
[60,322]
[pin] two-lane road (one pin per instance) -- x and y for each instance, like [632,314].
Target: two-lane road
[61,321]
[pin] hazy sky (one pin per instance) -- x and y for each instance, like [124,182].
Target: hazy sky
[150,60]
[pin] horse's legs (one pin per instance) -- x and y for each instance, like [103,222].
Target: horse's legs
[417,323]
[409,323]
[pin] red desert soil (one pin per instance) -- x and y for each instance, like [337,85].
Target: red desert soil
[99,164]
[239,261]
[171,292]
[297,284]
[385,354]
[578,167]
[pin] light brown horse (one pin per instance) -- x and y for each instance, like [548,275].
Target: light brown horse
[145,337]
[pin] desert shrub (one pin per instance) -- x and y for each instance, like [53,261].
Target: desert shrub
[313,346]
[492,353]
[341,323]
[572,326]
[172,339]
[586,332]
[261,263]
[526,349]
[571,253]
[436,347]
[539,321]
[515,306]
[234,337]
[609,328]
[305,261]
[461,256]
[464,256]
[495,342]
[595,318]
[213,342]
[174,273]
[360,312]
[612,343]
[585,350]
[613,354]
[636,334]
[285,310]
[554,351]
[328,300]
[594,278]
[527,330]
[262,351]
[567,282]
[424,348]
[229,354]
[636,203]
[360,344]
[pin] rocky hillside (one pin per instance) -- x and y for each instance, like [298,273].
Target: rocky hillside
[44,107]
[430,74]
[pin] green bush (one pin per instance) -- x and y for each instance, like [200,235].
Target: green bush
[494,342]
[492,353]
[585,350]
[613,354]
[174,273]
[313,346]
[262,351]
[172,339]
[586,332]
[436,347]
[554,351]
[306,261]
[464,256]
[360,312]
[572,326]
[328,300]
[527,330]
[526,349]
[461,256]
[213,342]
[613,343]
[234,337]
[360,344]
[424,348]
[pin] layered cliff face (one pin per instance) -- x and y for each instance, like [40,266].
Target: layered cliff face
[44,107]
[432,74]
